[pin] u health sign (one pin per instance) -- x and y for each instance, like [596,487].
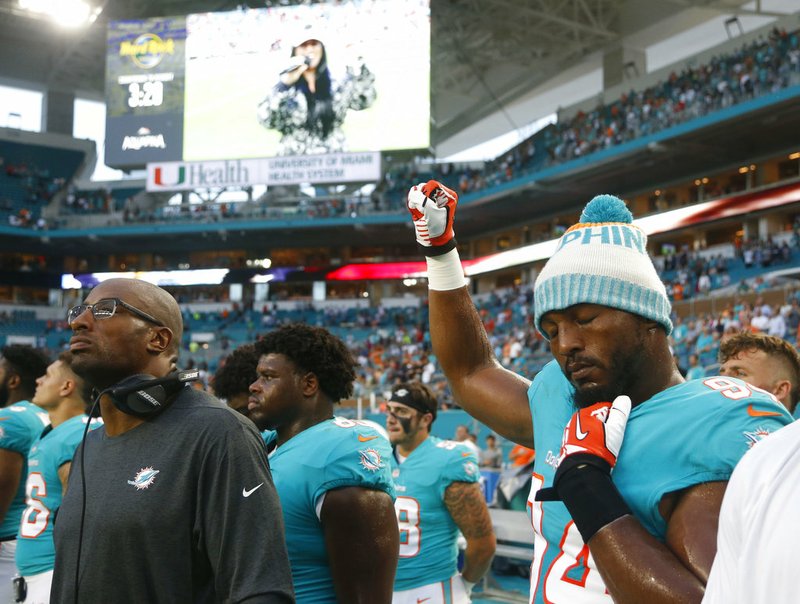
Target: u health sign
[313,169]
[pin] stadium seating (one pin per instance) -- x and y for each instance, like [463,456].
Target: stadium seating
[29,177]
[755,70]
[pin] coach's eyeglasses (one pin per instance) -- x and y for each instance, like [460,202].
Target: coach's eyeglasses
[105,309]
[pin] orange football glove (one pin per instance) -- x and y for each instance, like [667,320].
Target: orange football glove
[433,207]
[589,450]
[597,430]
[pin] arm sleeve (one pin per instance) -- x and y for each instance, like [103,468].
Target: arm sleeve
[243,537]
[66,450]
[358,88]
[718,444]
[283,109]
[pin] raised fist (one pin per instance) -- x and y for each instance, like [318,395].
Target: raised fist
[433,207]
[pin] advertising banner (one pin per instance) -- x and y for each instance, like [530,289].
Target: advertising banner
[311,169]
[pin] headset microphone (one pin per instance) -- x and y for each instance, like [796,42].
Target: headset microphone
[144,395]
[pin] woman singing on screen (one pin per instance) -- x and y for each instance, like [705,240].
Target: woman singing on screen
[308,107]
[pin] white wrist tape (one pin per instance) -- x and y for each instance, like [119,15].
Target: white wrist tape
[468,585]
[445,272]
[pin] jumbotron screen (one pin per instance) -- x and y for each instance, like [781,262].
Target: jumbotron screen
[331,77]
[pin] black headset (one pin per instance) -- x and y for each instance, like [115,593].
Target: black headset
[143,395]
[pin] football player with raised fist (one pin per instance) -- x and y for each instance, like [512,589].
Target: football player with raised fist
[646,531]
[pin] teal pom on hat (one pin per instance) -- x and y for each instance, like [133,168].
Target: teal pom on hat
[606,208]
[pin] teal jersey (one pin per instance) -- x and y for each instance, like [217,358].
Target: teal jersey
[333,454]
[268,436]
[691,433]
[35,548]
[20,426]
[428,549]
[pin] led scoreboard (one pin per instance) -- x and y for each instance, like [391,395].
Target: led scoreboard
[145,74]
[205,87]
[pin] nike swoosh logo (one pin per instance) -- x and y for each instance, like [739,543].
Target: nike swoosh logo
[420,601]
[579,434]
[364,439]
[756,413]
[246,493]
[466,454]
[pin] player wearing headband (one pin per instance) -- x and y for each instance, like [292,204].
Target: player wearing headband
[437,496]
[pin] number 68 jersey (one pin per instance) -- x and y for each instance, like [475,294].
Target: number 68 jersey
[688,434]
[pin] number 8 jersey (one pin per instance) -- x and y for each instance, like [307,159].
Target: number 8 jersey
[428,549]
[688,434]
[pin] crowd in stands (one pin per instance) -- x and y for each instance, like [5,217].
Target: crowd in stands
[392,345]
[98,201]
[761,67]
[758,68]
[688,274]
[34,188]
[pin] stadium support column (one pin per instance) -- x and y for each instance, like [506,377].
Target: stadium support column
[319,291]
[769,226]
[623,64]
[60,112]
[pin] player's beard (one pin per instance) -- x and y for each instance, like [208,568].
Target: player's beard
[4,393]
[624,369]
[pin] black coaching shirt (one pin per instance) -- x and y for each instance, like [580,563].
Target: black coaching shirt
[181,508]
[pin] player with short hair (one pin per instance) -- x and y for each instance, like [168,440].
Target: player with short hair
[767,362]
[21,423]
[648,535]
[65,396]
[438,495]
[332,474]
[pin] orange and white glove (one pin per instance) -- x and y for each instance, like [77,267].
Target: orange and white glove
[433,207]
[597,430]
[589,450]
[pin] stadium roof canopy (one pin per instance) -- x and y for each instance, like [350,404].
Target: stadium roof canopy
[485,53]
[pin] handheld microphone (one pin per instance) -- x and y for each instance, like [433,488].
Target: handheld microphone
[296,63]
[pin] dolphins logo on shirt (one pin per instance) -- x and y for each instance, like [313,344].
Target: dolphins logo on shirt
[144,478]
[753,437]
[371,460]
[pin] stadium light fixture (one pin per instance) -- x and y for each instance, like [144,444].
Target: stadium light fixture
[66,13]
